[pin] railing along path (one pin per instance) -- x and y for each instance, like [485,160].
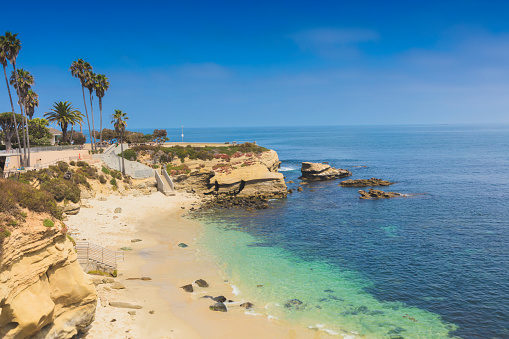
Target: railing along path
[97,254]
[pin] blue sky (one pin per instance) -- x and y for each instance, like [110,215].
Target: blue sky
[270,63]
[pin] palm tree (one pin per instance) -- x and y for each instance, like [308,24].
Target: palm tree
[101,86]
[31,102]
[22,80]
[63,113]
[119,122]
[78,69]
[4,50]
[90,82]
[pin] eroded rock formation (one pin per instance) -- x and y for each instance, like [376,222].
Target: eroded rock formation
[43,290]
[248,175]
[317,171]
[365,182]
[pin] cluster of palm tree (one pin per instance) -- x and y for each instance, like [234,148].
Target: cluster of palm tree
[22,81]
[120,123]
[97,83]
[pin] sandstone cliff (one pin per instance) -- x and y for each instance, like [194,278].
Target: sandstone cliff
[43,290]
[245,175]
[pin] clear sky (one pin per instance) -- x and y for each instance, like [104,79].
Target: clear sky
[270,63]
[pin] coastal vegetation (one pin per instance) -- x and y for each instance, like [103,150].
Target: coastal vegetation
[164,154]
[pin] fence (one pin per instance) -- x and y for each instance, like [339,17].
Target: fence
[46,148]
[97,255]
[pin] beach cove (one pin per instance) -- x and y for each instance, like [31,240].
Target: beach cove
[177,314]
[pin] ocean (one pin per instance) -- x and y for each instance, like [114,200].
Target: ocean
[431,265]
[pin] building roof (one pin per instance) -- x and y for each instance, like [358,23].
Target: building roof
[54,131]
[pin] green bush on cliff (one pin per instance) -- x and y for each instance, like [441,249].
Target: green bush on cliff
[105,170]
[102,179]
[17,194]
[48,223]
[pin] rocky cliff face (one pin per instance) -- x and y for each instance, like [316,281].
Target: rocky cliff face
[247,175]
[43,290]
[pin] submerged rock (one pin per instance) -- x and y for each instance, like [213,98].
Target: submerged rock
[118,210]
[295,304]
[377,194]
[365,182]
[246,305]
[316,171]
[182,245]
[219,307]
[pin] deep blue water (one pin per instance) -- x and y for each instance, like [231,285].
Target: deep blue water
[444,250]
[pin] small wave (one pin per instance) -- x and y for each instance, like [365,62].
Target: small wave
[235,290]
[287,168]
[271,317]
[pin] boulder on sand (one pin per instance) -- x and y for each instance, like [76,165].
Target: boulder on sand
[316,171]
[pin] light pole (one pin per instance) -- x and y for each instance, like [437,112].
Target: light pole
[182,133]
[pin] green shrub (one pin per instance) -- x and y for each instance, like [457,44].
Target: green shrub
[12,223]
[14,193]
[105,170]
[82,164]
[63,166]
[63,189]
[113,182]
[116,174]
[48,223]
[102,179]
[130,154]
[4,233]
[72,163]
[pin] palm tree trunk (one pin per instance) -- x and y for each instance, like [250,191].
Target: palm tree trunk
[64,131]
[70,141]
[13,116]
[88,120]
[28,137]
[122,150]
[20,101]
[101,122]
[92,116]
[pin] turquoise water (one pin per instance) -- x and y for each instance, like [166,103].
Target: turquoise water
[333,299]
[432,265]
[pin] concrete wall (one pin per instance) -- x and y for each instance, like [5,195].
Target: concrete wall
[132,168]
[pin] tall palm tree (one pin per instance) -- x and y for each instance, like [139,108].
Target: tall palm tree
[119,122]
[22,80]
[64,114]
[90,82]
[31,102]
[78,69]
[4,50]
[101,86]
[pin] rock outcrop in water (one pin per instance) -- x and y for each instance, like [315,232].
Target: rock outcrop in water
[316,171]
[365,182]
[377,194]
[43,290]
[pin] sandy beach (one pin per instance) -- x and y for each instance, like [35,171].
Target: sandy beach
[167,310]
